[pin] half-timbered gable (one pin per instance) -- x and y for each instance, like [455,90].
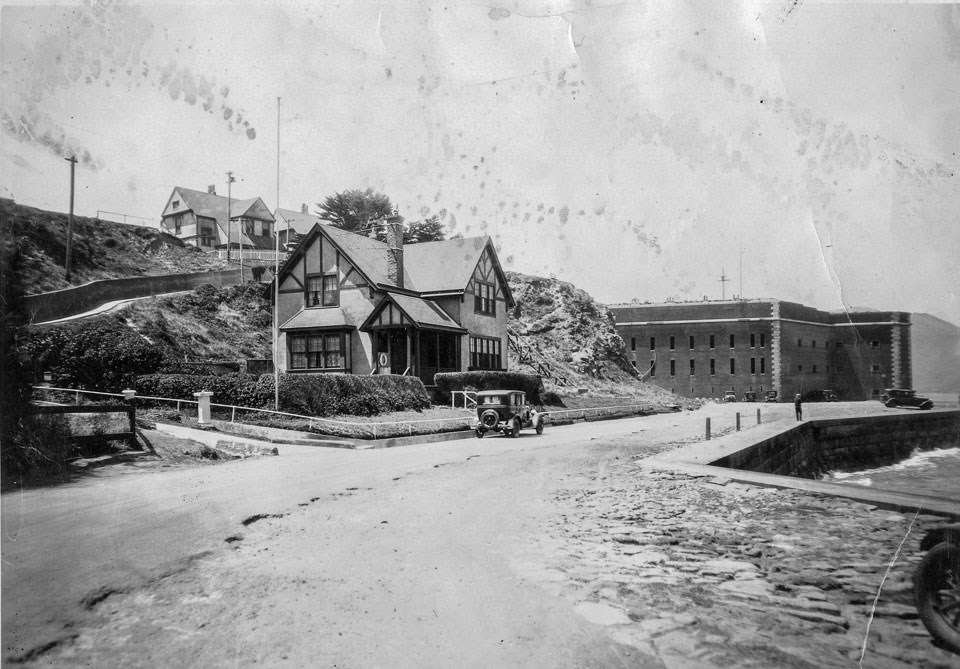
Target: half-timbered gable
[344,306]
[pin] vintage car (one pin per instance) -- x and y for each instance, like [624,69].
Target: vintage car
[729,396]
[901,397]
[749,396]
[819,396]
[771,396]
[506,411]
[936,585]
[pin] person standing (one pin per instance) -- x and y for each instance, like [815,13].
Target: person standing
[797,404]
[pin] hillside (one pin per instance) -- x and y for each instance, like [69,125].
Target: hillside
[100,249]
[935,354]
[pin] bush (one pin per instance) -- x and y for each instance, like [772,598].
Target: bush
[43,446]
[531,384]
[305,394]
[97,354]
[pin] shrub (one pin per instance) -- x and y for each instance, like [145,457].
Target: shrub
[237,389]
[97,354]
[43,446]
[488,380]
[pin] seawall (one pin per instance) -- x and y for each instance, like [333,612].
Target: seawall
[845,444]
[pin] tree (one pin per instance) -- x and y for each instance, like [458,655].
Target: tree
[427,230]
[356,210]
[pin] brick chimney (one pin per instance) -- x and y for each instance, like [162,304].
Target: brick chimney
[212,189]
[395,249]
[304,209]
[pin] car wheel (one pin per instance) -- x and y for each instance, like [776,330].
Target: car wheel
[893,404]
[514,428]
[926,405]
[479,433]
[489,419]
[936,590]
[540,427]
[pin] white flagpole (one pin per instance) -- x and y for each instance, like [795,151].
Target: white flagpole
[276,282]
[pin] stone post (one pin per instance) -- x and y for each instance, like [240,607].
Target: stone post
[203,407]
[738,421]
[758,416]
[128,395]
[708,429]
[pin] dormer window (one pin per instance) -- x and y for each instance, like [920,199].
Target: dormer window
[176,204]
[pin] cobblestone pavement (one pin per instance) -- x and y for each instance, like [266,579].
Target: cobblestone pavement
[694,573]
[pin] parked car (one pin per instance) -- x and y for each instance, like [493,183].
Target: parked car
[936,585]
[819,396]
[749,396]
[902,397]
[729,396]
[771,396]
[507,412]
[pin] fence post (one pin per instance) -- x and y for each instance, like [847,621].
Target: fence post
[128,396]
[203,406]
[708,429]
[76,398]
[738,421]
[758,416]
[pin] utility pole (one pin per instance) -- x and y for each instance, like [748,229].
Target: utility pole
[723,283]
[230,180]
[73,164]
[741,270]
[276,282]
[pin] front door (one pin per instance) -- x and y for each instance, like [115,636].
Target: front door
[398,351]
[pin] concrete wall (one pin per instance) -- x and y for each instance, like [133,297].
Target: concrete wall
[73,301]
[848,444]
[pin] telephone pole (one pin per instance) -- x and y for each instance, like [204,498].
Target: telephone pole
[73,164]
[230,180]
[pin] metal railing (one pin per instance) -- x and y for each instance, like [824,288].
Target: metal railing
[469,397]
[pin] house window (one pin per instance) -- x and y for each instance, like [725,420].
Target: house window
[733,365]
[692,345]
[653,368]
[753,365]
[753,340]
[176,204]
[483,299]
[672,343]
[206,236]
[692,368]
[331,290]
[314,290]
[485,353]
[713,366]
[673,368]
[653,343]
[318,351]
[763,339]
[731,341]
[633,343]
[711,341]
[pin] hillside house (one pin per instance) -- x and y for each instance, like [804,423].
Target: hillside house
[292,226]
[200,219]
[349,303]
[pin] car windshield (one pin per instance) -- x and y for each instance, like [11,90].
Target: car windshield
[492,399]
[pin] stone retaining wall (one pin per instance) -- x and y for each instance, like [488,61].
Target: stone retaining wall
[848,444]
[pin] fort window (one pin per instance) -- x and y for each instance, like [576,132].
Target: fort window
[653,343]
[763,365]
[713,366]
[711,341]
[763,338]
[753,340]
[799,343]
[692,368]
[672,343]
[733,365]
[814,369]
[692,346]
[633,343]
[875,344]
[813,344]
[731,341]
[753,365]
[653,368]
[875,369]
[799,368]
[673,368]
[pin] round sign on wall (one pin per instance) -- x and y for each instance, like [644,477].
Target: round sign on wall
[383,360]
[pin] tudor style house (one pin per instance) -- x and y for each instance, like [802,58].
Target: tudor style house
[200,219]
[349,303]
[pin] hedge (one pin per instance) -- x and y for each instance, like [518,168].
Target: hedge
[304,394]
[531,384]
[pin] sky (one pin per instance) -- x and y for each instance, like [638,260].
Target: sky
[807,151]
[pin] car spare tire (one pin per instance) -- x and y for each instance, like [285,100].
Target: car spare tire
[489,419]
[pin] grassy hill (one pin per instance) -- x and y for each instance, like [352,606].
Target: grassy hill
[100,249]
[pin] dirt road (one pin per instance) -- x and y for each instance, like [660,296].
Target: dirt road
[485,553]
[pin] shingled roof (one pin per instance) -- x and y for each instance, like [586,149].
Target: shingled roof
[210,205]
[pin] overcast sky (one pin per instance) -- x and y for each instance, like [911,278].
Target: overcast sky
[632,148]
